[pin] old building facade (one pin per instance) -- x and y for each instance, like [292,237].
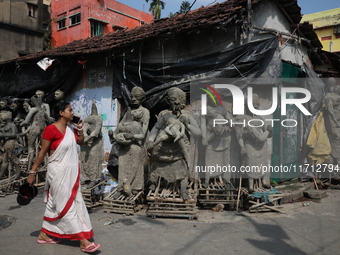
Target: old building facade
[327,26]
[23,25]
[75,20]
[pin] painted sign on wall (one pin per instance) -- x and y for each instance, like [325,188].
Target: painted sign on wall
[81,103]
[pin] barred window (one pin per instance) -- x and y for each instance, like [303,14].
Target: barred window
[32,10]
[97,28]
[75,19]
[61,24]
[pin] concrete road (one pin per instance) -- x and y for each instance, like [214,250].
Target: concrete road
[313,229]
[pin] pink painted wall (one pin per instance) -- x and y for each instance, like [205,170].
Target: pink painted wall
[110,12]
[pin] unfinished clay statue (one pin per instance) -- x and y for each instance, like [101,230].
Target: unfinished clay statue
[167,159]
[254,145]
[9,146]
[44,106]
[26,105]
[59,95]
[17,117]
[216,140]
[3,105]
[92,151]
[23,129]
[176,130]
[130,135]
[35,123]
[332,119]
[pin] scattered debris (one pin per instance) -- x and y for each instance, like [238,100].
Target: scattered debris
[218,208]
[110,222]
[315,194]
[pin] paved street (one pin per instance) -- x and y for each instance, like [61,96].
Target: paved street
[313,229]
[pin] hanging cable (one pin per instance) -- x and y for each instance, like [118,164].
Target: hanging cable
[211,3]
[290,37]
[139,66]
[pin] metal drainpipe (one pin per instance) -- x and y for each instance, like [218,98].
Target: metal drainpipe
[249,20]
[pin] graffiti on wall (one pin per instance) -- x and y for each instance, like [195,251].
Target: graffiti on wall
[81,103]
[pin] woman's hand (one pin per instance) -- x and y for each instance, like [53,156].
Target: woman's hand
[79,125]
[31,179]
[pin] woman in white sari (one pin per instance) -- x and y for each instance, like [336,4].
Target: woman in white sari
[66,216]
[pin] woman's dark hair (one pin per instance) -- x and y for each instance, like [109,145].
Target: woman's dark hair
[60,106]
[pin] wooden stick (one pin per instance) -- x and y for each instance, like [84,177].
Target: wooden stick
[239,194]
[316,185]
[263,203]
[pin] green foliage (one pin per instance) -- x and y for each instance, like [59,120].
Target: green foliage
[185,6]
[273,183]
[171,14]
[156,7]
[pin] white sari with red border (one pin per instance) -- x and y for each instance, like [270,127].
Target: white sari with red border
[66,215]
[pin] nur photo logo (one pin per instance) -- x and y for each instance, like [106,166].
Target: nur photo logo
[204,97]
[242,101]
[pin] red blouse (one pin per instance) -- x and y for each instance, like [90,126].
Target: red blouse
[52,134]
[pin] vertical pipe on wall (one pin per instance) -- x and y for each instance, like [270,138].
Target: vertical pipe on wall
[250,30]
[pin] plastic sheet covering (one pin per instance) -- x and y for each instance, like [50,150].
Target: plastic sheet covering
[248,60]
[22,81]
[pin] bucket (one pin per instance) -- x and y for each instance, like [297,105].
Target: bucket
[26,193]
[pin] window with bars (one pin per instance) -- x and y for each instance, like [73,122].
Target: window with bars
[75,19]
[32,10]
[97,28]
[61,23]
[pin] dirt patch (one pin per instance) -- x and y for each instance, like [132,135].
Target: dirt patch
[290,186]
[127,222]
[6,221]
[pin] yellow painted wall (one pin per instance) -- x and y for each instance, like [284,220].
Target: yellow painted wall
[324,23]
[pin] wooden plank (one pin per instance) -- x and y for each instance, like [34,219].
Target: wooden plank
[218,195]
[176,200]
[261,204]
[164,212]
[257,206]
[118,205]
[269,208]
[168,205]
[119,211]
[193,216]
[218,201]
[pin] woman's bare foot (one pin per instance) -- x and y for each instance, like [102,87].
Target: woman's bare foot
[43,236]
[84,243]
[88,247]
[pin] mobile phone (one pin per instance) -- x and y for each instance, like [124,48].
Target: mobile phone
[75,119]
